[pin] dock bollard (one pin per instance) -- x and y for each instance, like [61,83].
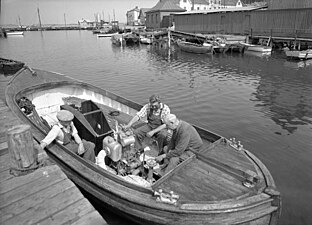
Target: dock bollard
[23,155]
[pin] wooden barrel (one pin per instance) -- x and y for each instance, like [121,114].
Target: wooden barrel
[23,155]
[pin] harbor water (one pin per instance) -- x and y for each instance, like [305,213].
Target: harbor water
[264,101]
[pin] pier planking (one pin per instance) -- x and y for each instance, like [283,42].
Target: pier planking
[45,196]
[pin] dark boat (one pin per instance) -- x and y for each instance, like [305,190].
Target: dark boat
[10,66]
[195,47]
[222,184]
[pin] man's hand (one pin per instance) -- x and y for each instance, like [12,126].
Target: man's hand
[81,149]
[150,134]
[160,157]
[126,127]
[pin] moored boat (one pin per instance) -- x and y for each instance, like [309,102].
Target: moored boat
[106,34]
[131,38]
[11,33]
[204,48]
[296,54]
[118,39]
[10,66]
[257,48]
[222,184]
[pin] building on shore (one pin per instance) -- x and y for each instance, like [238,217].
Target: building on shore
[133,16]
[142,15]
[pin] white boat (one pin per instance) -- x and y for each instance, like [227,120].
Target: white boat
[296,54]
[106,35]
[257,48]
[15,33]
[146,40]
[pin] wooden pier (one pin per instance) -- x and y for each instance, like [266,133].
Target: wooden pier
[44,196]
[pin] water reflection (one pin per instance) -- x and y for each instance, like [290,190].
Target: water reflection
[258,54]
[286,102]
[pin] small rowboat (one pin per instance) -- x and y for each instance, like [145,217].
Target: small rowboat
[195,48]
[257,48]
[221,184]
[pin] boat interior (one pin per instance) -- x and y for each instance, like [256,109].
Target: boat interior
[220,172]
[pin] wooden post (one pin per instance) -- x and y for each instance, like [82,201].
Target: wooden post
[169,38]
[23,155]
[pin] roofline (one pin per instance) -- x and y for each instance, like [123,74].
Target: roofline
[223,10]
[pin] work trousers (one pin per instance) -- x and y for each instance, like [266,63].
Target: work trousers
[89,149]
[140,134]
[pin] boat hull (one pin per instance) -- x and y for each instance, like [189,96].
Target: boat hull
[307,54]
[257,48]
[224,200]
[19,33]
[106,35]
[194,48]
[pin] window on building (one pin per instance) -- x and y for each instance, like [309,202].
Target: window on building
[197,8]
[184,0]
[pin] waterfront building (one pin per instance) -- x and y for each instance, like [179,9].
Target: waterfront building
[85,24]
[159,16]
[133,16]
[142,15]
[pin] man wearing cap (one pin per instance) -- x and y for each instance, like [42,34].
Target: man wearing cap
[65,133]
[155,111]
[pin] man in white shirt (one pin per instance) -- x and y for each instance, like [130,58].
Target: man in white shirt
[154,111]
[65,133]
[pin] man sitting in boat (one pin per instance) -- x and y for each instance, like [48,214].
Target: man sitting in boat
[155,111]
[184,139]
[65,133]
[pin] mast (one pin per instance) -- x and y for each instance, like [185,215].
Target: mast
[39,18]
[19,21]
[65,19]
[114,14]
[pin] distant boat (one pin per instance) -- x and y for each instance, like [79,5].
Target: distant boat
[118,40]
[194,47]
[146,38]
[257,48]
[9,33]
[296,54]
[131,38]
[106,34]
[9,66]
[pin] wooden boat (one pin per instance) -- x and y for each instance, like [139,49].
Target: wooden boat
[234,47]
[118,39]
[219,47]
[146,38]
[131,38]
[11,33]
[296,54]
[9,66]
[222,184]
[257,48]
[195,48]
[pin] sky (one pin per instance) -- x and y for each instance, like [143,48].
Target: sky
[57,11]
